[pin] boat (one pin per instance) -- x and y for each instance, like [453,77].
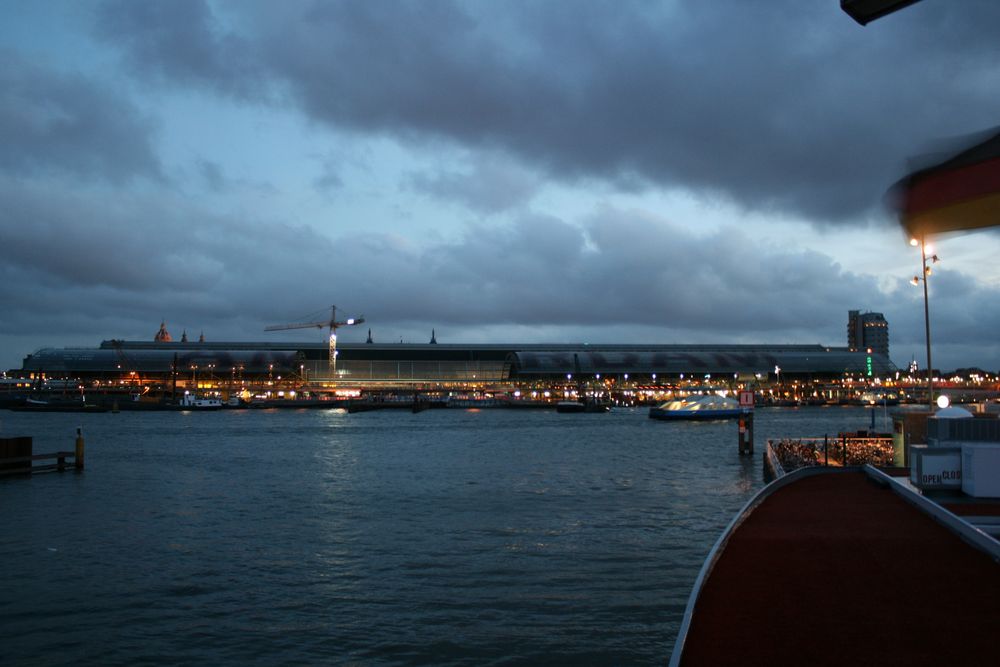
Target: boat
[790,582]
[703,408]
[394,402]
[570,406]
[234,402]
[192,402]
[57,405]
[476,403]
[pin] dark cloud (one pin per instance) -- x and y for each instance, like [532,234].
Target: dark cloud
[181,41]
[630,267]
[71,258]
[788,106]
[67,123]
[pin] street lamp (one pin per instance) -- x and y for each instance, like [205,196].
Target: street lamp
[922,278]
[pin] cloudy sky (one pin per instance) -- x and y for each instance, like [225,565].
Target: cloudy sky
[668,171]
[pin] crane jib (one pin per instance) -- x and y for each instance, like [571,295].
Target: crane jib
[332,324]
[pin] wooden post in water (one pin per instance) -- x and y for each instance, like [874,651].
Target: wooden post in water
[746,434]
[746,423]
[79,448]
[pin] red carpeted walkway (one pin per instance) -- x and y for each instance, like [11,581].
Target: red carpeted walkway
[835,570]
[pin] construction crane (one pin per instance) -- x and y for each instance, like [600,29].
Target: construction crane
[332,324]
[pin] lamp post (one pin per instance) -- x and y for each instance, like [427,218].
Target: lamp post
[925,271]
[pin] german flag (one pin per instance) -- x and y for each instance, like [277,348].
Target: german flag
[960,193]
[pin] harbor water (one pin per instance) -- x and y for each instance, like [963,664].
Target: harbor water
[448,537]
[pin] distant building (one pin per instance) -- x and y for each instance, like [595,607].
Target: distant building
[867,331]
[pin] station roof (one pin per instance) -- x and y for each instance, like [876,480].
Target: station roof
[535,359]
[701,359]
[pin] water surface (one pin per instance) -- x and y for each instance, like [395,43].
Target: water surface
[446,537]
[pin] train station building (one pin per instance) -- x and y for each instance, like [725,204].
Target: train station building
[367,364]
[321,368]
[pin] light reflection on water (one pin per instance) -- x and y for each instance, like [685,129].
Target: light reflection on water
[444,537]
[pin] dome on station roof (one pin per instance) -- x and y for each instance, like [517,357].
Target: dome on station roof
[162,336]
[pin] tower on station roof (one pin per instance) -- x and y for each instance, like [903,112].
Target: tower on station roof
[162,336]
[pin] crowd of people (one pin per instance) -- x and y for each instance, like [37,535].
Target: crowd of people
[862,450]
[850,450]
[793,454]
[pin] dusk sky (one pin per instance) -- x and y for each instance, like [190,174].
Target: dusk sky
[503,171]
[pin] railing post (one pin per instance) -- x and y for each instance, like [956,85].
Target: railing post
[826,449]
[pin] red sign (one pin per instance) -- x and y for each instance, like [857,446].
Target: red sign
[746,399]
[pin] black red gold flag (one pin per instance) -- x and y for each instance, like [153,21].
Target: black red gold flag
[959,193]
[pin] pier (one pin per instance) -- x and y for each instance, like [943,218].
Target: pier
[18,458]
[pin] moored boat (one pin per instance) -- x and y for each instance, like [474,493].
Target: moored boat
[699,408]
[571,406]
[57,405]
[192,402]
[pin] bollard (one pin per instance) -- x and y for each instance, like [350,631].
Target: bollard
[79,448]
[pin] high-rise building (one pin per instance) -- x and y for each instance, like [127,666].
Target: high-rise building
[867,331]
